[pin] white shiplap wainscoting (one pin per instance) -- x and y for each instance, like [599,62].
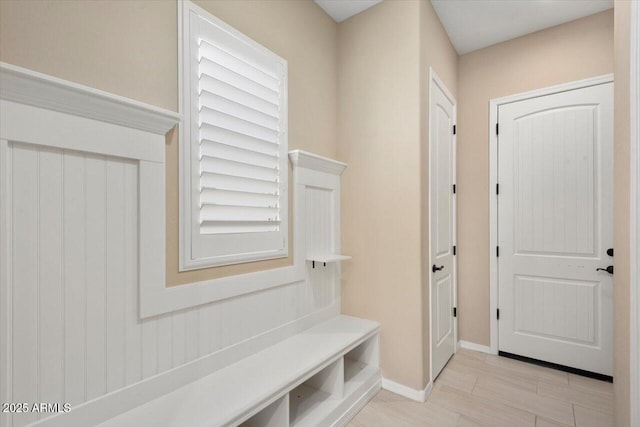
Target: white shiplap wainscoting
[80,171]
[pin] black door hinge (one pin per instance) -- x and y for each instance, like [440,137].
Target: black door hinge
[454,129]
[498,314]
[455,312]
[454,250]
[454,189]
[497,188]
[498,251]
[497,129]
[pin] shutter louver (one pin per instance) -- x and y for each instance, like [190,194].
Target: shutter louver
[239,136]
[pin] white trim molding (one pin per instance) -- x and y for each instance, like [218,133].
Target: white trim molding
[6,291]
[157,298]
[28,87]
[207,236]
[435,80]
[494,104]
[467,345]
[304,159]
[635,213]
[135,141]
[408,392]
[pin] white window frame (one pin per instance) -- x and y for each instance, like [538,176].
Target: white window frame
[198,250]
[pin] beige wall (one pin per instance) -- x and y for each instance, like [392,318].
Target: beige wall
[130,48]
[437,52]
[379,137]
[383,91]
[127,48]
[383,55]
[621,214]
[568,52]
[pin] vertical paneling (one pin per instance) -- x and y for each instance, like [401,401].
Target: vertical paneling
[319,290]
[555,172]
[192,330]
[204,333]
[6,298]
[165,343]
[568,182]
[25,280]
[178,336]
[51,327]
[76,330]
[96,275]
[133,328]
[149,348]
[115,275]
[560,125]
[216,325]
[536,178]
[547,178]
[74,279]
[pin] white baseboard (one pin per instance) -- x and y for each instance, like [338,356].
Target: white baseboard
[475,347]
[408,392]
[358,405]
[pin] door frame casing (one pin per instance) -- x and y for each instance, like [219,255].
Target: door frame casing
[435,80]
[494,104]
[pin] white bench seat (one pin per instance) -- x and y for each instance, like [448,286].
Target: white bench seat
[235,393]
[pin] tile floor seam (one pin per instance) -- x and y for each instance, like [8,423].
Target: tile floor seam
[451,403]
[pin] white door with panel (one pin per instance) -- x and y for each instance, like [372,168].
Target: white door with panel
[442,155]
[555,226]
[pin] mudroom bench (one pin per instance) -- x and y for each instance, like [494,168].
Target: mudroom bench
[320,376]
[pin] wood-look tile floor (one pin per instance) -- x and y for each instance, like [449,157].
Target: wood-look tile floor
[476,389]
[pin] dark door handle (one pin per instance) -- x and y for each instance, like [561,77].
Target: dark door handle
[609,269]
[434,268]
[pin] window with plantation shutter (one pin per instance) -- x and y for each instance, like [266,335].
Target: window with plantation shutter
[234,146]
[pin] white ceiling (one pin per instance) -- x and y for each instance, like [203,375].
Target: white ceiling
[340,10]
[474,24]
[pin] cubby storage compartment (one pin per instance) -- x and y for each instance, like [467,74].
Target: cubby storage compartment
[274,415]
[331,392]
[313,400]
[360,365]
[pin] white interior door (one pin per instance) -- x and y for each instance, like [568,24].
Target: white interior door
[555,225]
[442,228]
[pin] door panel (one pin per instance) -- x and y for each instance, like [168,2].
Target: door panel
[547,307]
[442,230]
[555,224]
[554,191]
[444,325]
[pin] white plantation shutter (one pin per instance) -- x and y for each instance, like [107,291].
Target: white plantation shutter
[237,110]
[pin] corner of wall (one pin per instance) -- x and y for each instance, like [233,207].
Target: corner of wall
[379,136]
[437,53]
